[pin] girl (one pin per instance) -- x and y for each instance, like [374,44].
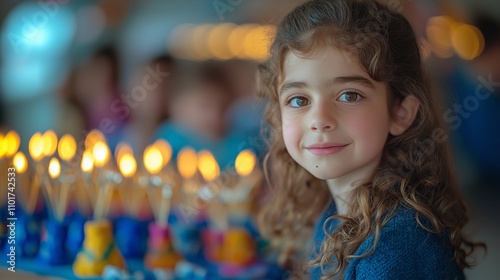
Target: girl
[357,150]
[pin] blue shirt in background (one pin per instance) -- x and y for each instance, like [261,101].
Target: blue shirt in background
[225,150]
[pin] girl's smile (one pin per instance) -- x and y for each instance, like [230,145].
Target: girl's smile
[325,148]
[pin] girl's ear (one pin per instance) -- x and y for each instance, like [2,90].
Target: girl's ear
[404,114]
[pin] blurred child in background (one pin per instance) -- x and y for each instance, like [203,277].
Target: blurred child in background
[96,90]
[198,114]
[147,103]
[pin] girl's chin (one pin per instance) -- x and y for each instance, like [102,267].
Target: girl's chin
[322,174]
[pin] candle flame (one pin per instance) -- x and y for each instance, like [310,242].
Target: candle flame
[187,162]
[54,168]
[100,152]
[122,149]
[67,147]
[245,162]
[127,165]
[87,164]
[153,159]
[165,149]
[94,137]
[20,162]
[12,141]
[49,142]
[35,146]
[207,165]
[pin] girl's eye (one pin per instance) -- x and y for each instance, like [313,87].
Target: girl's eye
[349,97]
[297,102]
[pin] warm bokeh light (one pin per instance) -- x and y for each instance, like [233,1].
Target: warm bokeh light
[153,159]
[35,146]
[236,39]
[187,162]
[199,42]
[258,41]
[100,152]
[222,41]
[66,147]
[20,162]
[467,41]
[207,165]
[12,141]
[127,165]
[122,149]
[245,162]
[438,33]
[87,164]
[218,41]
[165,149]
[94,137]
[49,143]
[54,168]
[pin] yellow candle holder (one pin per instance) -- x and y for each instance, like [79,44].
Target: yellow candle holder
[98,250]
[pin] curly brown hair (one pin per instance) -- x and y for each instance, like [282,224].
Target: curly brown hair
[415,171]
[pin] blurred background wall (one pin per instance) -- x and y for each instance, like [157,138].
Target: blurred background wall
[43,42]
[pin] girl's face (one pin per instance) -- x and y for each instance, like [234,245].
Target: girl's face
[335,117]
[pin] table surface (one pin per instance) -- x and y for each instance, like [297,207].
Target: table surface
[23,275]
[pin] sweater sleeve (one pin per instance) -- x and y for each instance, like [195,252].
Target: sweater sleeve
[405,251]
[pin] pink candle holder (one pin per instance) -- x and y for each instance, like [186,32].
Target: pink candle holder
[161,253]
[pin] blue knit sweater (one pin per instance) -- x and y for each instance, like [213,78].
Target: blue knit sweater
[404,251]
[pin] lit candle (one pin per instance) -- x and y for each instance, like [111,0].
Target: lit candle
[168,173]
[87,166]
[11,144]
[187,162]
[238,197]
[122,149]
[160,193]
[66,147]
[93,138]
[9,147]
[209,169]
[130,194]
[66,150]
[165,149]
[245,165]
[50,143]
[35,148]
[101,155]
[51,194]
[20,162]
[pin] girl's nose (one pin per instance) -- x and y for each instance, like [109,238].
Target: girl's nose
[322,120]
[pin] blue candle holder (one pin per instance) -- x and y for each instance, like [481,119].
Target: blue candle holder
[27,236]
[76,235]
[53,249]
[131,236]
